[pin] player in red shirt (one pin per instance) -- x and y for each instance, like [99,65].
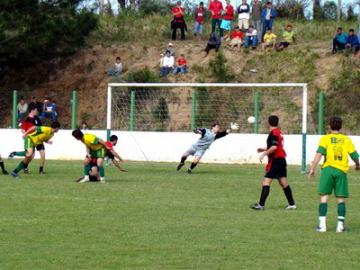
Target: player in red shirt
[276,167]
[216,9]
[181,65]
[178,20]
[32,120]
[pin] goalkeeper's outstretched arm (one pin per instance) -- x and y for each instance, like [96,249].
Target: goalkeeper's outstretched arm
[222,134]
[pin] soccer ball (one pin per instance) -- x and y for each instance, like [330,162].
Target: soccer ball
[251,119]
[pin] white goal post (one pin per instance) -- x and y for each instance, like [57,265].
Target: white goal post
[302,86]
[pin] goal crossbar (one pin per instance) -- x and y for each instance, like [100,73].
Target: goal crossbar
[303,86]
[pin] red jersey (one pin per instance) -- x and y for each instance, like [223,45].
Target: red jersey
[229,13]
[236,34]
[29,122]
[275,138]
[109,145]
[181,61]
[178,12]
[216,7]
[200,15]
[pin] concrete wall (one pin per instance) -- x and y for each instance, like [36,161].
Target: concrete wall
[167,146]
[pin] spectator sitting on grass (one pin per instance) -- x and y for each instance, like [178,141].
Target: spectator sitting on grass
[170,48]
[168,64]
[213,43]
[49,110]
[339,40]
[251,38]
[181,65]
[288,38]
[116,70]
[22,108]
[199,20]
[269,39]
[352,41]
[236,38]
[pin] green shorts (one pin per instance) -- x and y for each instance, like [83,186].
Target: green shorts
[333,179]
[98,153]
[28,143]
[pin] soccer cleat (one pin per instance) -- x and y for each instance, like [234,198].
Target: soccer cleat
[26,170]
[257,206]
[321,229]
[189,171]
[180,166]
[11,155]
[85,179]
[5,172]
[290,207]
[15,175]
[102,180]
[42,172]
[340,229]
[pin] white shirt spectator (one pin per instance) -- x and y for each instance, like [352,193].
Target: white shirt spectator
[169,61]
[22,107]
[252,34]
[118,67]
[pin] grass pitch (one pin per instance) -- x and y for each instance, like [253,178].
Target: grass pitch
[156,218]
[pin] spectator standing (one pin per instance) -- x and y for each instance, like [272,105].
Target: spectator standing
[237,38]
[199,20]
[216,9]
[226,23]
[22,108]
[352,41]
[168,64]
[117,69]
[36,104]
[268,15]
[269,39]
[178,21]
[181,65]
[251,38]
[339,40]
[288,38]
[49,110]
[256,17]
[213,43]
[243,11]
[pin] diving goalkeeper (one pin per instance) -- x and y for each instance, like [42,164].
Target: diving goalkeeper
[198,149]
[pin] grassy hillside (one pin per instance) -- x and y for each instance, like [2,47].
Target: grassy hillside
[139,42]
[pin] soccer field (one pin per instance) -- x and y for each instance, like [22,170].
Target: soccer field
[156,218]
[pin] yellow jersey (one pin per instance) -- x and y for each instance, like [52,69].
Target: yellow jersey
[336,149]
[41,135]
[92,142]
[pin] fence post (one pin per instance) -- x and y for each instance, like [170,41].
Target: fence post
[132,111]
[193,110]
[14,112]
[257,111]
[321,113]
[74,102]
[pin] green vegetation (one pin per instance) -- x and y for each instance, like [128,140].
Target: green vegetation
[156,218]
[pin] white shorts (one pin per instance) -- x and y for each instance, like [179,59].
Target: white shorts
[244,23]
[196,152]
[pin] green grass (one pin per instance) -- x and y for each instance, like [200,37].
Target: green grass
[156,218]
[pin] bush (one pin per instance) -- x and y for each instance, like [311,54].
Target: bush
[292,9]
[219,69]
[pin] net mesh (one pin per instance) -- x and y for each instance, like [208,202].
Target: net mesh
[181,109]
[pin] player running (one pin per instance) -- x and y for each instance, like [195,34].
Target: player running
[32,120]
[2,166]
[276,167]
[95,148]
[335,147]
[35,136]
[198,149]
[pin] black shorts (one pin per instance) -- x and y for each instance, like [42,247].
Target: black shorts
[40,147]
[110,155]
[284,44]
[277,169]
[93,178]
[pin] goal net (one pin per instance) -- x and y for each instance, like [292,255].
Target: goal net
[184,106]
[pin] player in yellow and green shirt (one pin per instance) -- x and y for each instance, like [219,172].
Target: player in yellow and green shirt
[336,149]
[95,148]
[34,136]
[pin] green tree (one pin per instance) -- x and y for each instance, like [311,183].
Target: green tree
[330,10]
[161,113]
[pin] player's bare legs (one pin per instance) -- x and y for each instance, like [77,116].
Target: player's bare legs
[42,161]
[194,163]
[283,182]
[182,161]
